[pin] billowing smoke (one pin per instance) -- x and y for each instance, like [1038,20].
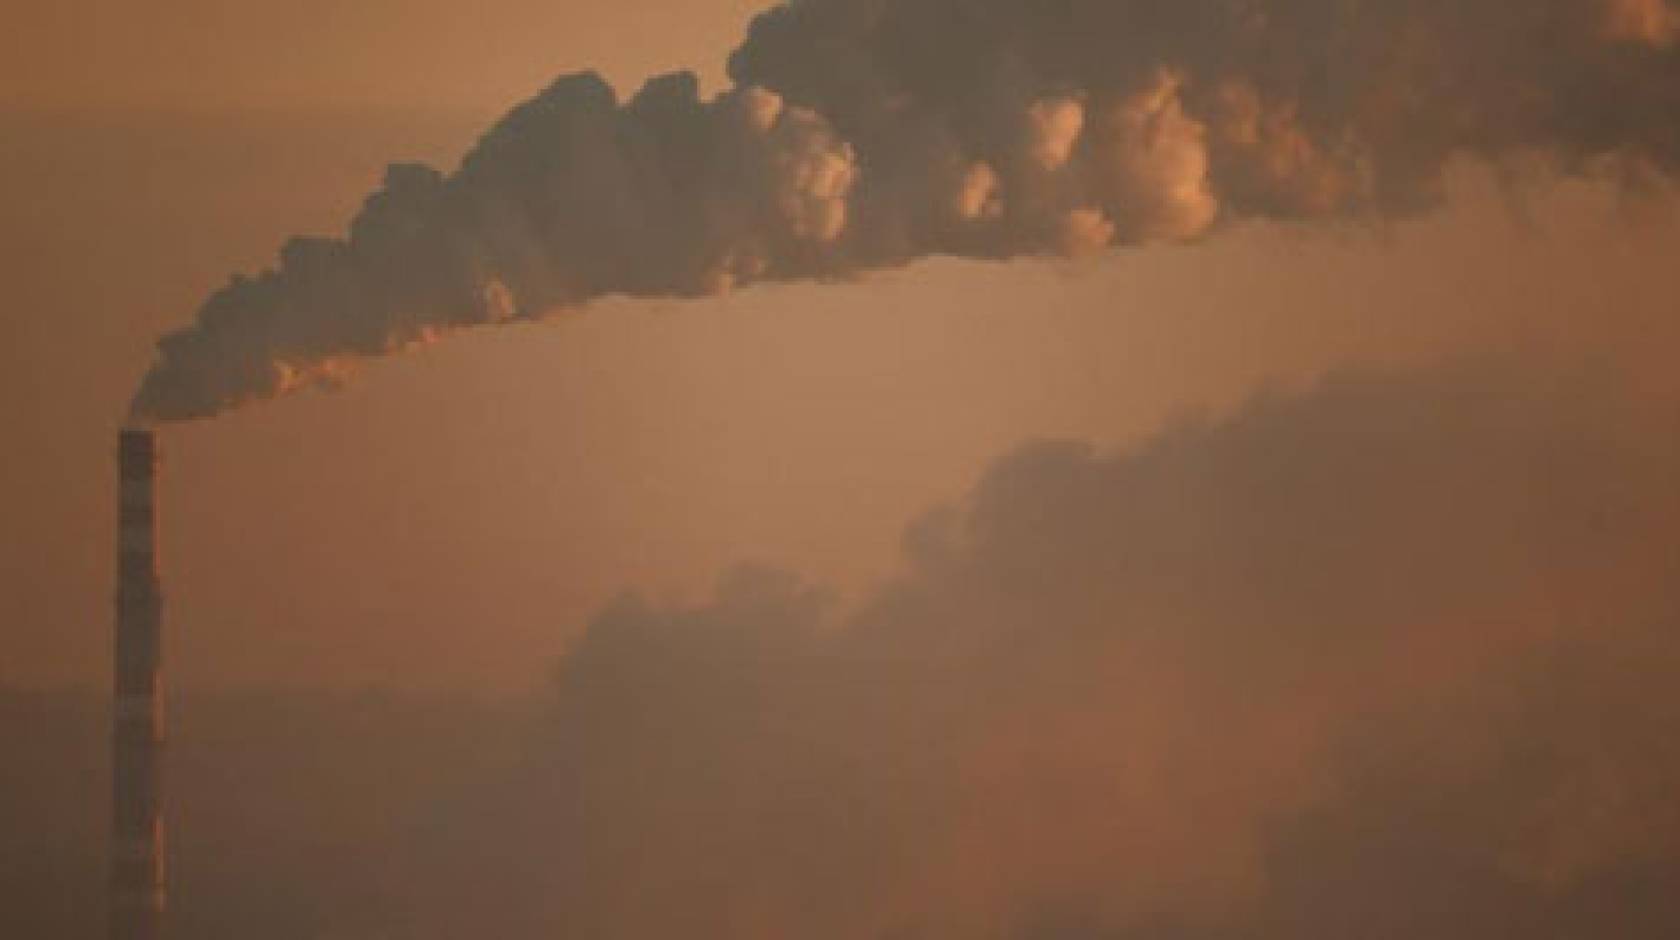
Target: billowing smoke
[1393,659]
[860,134]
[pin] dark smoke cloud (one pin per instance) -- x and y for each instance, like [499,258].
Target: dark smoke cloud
[867,133]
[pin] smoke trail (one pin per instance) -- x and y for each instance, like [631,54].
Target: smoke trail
[861,134]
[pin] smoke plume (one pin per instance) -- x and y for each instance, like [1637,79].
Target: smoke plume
[860,134]
[1393,658]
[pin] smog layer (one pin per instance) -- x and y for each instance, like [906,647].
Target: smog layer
[1393,656]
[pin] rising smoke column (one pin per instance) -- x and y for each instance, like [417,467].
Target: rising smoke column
[861,134]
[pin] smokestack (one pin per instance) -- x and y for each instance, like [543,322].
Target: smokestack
[137,884]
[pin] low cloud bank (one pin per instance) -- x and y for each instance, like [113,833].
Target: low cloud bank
[1390,657]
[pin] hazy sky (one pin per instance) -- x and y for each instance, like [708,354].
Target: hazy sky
[453,517]
[1301,582]
[408,55]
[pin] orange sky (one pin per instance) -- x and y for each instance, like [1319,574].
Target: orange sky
[453,517]
[412,55]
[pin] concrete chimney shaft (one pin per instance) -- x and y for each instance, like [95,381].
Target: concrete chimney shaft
[137,874]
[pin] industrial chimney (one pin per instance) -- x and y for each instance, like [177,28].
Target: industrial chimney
[137,883]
